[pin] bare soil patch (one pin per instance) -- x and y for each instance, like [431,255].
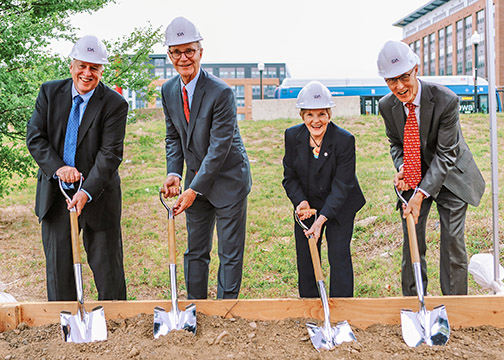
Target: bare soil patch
[219,338]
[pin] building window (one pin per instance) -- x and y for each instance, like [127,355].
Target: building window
[441,51]
[159,62]
[227,73]
[240,73]
[239,91]
[270,72]
[432,53]
[468,23]
[425,55]
[254,73]
[449,50]
[240,117]
[240,102]
[159,73]
[480,17]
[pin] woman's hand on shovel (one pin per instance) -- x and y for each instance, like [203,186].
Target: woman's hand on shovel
[316,228]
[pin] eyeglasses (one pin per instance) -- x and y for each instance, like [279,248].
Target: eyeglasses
[404,78]
[177,54]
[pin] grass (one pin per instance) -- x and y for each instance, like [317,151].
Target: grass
[270,260]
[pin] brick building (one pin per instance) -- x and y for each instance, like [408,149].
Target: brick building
[440,33]
[244,79]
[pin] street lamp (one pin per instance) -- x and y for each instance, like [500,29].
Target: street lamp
[475,39]
[260,67]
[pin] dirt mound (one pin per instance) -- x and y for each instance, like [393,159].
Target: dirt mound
[218,338]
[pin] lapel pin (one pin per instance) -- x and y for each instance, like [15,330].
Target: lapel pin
[325,154]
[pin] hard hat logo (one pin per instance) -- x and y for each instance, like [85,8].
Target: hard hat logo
[314,95]
[90,49]
[181,31]
[394,60]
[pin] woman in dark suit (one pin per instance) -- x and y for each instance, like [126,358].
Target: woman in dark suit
[319,173]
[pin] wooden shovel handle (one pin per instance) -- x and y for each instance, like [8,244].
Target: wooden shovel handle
[304,211]
[171,241]
[413,242]
[74,232]
[317,268]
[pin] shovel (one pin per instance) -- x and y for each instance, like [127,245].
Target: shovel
[82,327]
[164,322]
[328,337]
[429,327]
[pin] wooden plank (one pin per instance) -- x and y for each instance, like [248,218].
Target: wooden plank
[360,312]
[9,316]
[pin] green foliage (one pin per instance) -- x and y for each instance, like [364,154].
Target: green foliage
[27,28]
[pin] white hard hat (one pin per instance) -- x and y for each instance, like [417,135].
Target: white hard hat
[314,95]
[90,49]
[396,58]
[181,31]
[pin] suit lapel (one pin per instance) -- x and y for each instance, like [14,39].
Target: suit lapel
[92,107]
[199,93]
[302,147]
[399,117]
[64,113]
[426,110]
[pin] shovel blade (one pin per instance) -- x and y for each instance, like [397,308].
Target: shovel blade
[327,340]
[429,327]
[164,322]
[86,328]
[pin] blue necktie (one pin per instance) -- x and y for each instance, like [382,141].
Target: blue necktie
[72,132]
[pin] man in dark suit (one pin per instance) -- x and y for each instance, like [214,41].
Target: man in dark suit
[93,148]
[201,129]
[447,172]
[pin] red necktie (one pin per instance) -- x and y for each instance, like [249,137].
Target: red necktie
[186,104]
[411,157]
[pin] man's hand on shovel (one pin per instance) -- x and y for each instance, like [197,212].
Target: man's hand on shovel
[79,200]
[414,205]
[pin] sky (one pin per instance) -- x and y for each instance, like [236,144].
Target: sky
[316,39]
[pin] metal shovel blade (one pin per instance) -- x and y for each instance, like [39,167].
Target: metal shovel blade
[164,322]
[328,337]
[429,327]
[84,327]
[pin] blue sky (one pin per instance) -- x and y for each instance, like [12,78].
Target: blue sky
[320,38]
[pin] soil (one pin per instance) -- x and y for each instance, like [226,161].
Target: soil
[218,338]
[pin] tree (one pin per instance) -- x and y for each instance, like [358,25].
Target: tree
[27,28]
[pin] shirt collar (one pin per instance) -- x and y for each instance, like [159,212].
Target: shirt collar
[191,86]
[84,97]
[418,96]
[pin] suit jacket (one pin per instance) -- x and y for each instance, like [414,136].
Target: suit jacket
[446,158]
[98,154]
[217,163]
[334,171]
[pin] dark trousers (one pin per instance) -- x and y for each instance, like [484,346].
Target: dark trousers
[338,238]
[453,256]
[104,254]
[201,218]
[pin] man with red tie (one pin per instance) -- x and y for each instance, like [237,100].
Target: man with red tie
[201,128]
[433,163]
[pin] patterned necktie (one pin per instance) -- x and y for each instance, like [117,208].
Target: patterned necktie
[412,159]
[71,132]
[186,104]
